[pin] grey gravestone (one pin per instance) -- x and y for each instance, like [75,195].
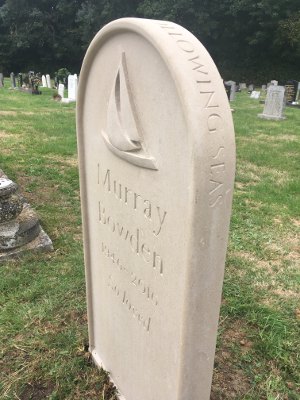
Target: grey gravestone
[232,85]
[13,80]
[298,92]
[274,104]
[274,82]
[264,87]
[243,86]
[250,87]
[1,80]
[20,230]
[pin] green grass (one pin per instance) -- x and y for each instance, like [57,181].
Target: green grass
[43,311]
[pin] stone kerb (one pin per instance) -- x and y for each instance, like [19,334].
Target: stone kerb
[156,150]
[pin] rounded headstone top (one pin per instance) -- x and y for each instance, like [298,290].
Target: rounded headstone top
[7,187]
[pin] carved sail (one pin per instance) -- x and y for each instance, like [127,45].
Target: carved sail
[122,135]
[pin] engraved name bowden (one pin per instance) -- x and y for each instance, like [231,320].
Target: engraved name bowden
[123,131]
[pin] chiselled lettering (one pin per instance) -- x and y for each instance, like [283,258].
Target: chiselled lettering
[210,96]
[198,66]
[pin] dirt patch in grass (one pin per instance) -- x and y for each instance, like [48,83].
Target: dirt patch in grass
[229,379]
[8,112]
[4,134]
[71,161]
[37,390]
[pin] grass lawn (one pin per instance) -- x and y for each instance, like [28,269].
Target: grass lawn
[43,324]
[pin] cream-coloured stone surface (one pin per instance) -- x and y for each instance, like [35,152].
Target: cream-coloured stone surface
[157,159]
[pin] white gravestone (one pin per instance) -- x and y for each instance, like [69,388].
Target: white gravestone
[72,87]
[157,159]
[61,90]
[254,95]
[48,81]
[274,103]
[274,83]
[44,82]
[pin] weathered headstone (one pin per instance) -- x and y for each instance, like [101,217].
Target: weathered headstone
[274,82]
[274,103]
[250,87]
[1,80]
[254,95]
[44,82]
[157,171]
[20,230]
[263,87]
[61,90]
[13,80]
[298,92]
[72,87]
[48,81]
[232,85]
[291,88]
[243,86]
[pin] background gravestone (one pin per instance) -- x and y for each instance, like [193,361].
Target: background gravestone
[61,90]
[44,82]
[48,81]
[157,171]
[72,87]
[274,103]
[291,88]
[1,80]
[13,80]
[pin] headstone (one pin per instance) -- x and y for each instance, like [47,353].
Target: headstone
[12,80]
[273,82]
[255,95]
[1,80]
[61,90]
[48,81]
[44,82]
[72,87]
[274,103]
[20,80]
[157,171]
[291,88]
[227,90]
[250,87]
[243,86]
[264,87]
[20,229]
[232,85]
[298,92]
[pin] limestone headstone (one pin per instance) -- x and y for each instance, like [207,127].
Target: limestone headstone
[12,80]
[72,87]
[1,80]
[61,90]
[44,82]
[48,81]
[274,104]
[156,149]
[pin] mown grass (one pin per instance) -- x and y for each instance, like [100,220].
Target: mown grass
[43,310]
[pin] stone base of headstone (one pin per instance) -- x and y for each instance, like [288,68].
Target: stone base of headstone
[20,230]
[264,116]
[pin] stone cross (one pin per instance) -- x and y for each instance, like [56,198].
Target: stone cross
[157,172]
[274,104]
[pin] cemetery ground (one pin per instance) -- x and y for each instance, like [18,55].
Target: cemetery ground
[43,320]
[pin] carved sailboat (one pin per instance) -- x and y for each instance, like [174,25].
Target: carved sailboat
[123,132]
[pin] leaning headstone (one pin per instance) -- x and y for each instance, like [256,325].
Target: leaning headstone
[72,87]
[61,90]
[13,80]
[291,88]
[44,82]
[274,103]
[48,81]
[1,80]
[20,230]
[157,171]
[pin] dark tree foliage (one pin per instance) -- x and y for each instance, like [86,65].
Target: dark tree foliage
[250,40]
